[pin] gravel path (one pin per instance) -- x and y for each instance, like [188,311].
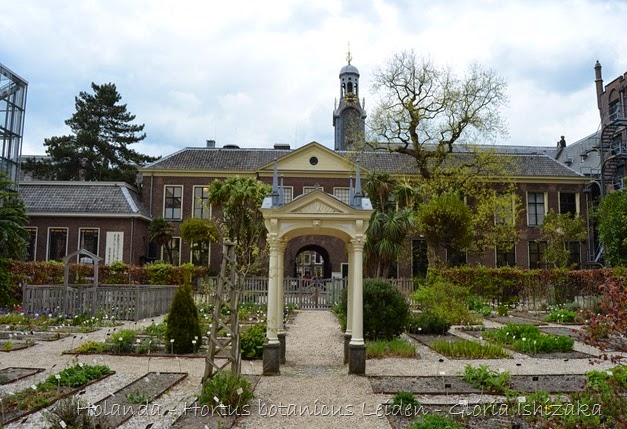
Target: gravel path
[314,389]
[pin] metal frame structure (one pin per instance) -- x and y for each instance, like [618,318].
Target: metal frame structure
[12,112]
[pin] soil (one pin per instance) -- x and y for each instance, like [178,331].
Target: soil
[11,374]
[518,318]
[453,385]
[199,417]
[118,407]
[15,345]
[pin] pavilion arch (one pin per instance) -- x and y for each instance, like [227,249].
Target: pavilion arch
[315,213]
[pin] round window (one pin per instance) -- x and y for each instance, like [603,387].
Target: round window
[313,160]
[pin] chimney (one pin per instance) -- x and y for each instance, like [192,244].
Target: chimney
[211,143]
[598,80]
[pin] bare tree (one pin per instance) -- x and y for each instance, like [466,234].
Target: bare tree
[424,110]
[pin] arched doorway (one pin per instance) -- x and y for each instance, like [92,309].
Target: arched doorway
[312,261]
[315,213]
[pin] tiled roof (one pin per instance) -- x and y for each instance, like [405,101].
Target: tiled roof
[533,163]
[106,198]
[192,158]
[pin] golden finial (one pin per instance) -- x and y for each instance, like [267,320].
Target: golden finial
[349,57]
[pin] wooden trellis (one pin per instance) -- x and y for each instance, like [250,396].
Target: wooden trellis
[225,348]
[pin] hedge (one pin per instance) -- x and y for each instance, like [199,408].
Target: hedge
[50,273]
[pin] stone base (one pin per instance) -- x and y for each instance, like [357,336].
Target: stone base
[271,359]
[281,336]
[347,340]
[357,359]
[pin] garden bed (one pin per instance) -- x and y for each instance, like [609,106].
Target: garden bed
[199,417]
[136,397]
[13,374]
[428,340]
[17,405]
[453,384]
[518,318]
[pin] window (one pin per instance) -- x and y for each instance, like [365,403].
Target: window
[455,258]
[537,249]
[200,254]
[57,243]
[535,208]
[419,263]
[288,194]
[568,203]
[504,209]
[31,245]
[175,248]
[173,202]
[202,208]
[308,189]
[574,247]
[614,110]
[506,254]
[88,240]
[342,194]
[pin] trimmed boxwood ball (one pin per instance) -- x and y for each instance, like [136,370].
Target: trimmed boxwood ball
[386,310]
[183,322]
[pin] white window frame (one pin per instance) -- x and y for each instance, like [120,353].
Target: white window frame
[80,230]
[545,200]
[191,254]
[496,255]
[180,241]
[195,201]
[67,239]
[342,188]
[285,191]
[164,199]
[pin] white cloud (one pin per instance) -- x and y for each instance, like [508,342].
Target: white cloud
[256,73]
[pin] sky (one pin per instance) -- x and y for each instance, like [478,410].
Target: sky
[256,73]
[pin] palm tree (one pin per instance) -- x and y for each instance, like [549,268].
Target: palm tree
[160,232]
[389,224]
[13,236]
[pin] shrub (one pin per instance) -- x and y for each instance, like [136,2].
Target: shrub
[183,323]
[251,341]
[67,411]
[161,274]
[562,316]
[231,390]
[428,323]
[92,347]
[434,421]
[486,378]
[444,297]
[123,341]
[385,310]
[405,402]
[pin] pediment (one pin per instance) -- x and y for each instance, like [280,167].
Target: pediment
[317,202]
[311,158]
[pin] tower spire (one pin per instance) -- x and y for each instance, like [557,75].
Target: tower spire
[349,57]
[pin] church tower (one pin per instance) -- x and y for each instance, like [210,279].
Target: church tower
[349,117]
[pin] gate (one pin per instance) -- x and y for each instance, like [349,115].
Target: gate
[313,294]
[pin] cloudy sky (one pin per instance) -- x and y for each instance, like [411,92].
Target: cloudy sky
[255,73]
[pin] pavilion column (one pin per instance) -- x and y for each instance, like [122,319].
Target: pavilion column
[349,308]
[272,349]
[357,347]
[280,308]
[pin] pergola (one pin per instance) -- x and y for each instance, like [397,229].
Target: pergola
[315,213]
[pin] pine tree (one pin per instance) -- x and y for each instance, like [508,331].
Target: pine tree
[97,149]
[183,322]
